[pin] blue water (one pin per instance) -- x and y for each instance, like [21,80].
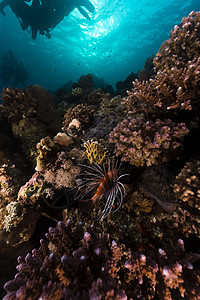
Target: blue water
[115,42]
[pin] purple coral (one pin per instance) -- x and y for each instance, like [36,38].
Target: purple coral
[146,143]
[76,269]
[82,264]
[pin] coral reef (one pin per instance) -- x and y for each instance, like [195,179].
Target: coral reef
[95,152]
[77,268]
[57,176]
[112,107]
[123,86]
[14,219]
[86,82]
[176,83]
[187,186]
[63,173]
[149,65]
[31,114]
[146,143]
[83,87]
[157,183]
[82,112]
[63,139]
[174,268]
[18,104]
[84,264]
[30,193]
[46,153]
[11,179]
[129,237]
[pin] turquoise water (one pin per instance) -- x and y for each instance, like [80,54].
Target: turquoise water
[116,41]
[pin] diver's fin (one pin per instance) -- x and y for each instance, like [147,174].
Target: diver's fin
[83,12]
[88,5]
[36,3]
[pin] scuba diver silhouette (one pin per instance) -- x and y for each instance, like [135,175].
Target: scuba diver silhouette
[44,15]
[12,71]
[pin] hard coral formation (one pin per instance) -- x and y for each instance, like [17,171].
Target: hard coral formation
[161,275]
[84,264]
[177,79]
[82,112]
[18,104]
[86,82]
[28,132]
[55,177]
[63,139]
[13,216]
[46,153]
[112,107]
[83,87]
[14,219]
[11,179]
[30,193]
[31,114]
[187,185]
[95,152]
[136,255]
[78,268]
[156,182]
[110,112]
[146,143]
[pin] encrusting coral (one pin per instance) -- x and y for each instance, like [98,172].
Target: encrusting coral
[146,143]
[11,179]
[63,139]
[11,213]
[14,220]
[56,176]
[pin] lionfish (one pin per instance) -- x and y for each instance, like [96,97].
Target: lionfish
[105,183]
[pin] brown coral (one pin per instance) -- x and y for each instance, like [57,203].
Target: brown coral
[11,179]
[82,112]
[187,186]
[18,104]
[177,78]
[46,153]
